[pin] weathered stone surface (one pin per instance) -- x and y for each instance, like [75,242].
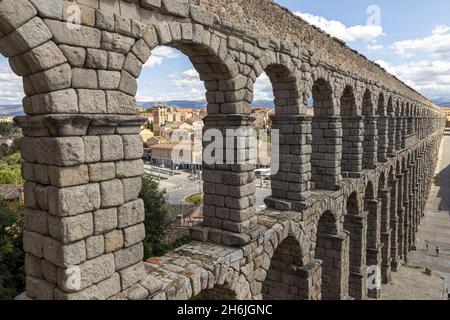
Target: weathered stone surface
[132,275]
[108,80]
[39,289]
[75,228]
[64,101]
[96,59]
[132,147]
[33,243]
[28,36]
[115,61]
[74,200]
[95,246]
[76,56]
[91,272]
[102,171]
[128,256]
[136,292]
[14,13]
[65,151]
[113,241]
[128,169]
[131,213]
[84,78]
[41,58]
[105,220]
[109,287]
[202,16]
[177,7]
[82,36]
[131,188]
[49,271]
[112,193]
[116,42]
[134,234]
[151,3]
[52,9]
[151,284]
[128,83]
[120,103]
[64,255]
[36,221]
[91,149]
[104,20]
[91,101]
[68,176]
[111,148]
[57,78]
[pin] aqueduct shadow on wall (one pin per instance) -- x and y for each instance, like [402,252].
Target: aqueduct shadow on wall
[345,204]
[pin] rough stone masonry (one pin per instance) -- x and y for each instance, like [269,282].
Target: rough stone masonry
[345,204]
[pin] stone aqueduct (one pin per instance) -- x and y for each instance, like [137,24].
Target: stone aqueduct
[348,198]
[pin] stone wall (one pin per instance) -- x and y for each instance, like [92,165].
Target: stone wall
[82,153]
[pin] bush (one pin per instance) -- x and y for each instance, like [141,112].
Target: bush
[12,270]
[155,218]
[195,199]
[10,169]
[156,221]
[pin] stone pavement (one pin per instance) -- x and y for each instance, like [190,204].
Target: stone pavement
[435,227]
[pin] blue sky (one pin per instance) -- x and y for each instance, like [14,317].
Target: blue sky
[410,39]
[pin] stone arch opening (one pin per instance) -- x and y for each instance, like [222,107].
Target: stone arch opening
[332,250]
[352,128]
[174,106]
[373,249]
[287,138]
[355,222]
[288,278]
[383,129]
[326,137]
[393,181]
[385,227]
[404,124]
[392,127]
[409,120]
[217,293]
[370,132]
[227,146]
[398,126]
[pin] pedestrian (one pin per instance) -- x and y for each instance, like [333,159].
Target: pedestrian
[426,244]
[437,251]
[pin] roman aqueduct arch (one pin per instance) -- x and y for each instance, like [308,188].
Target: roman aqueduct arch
[327,220]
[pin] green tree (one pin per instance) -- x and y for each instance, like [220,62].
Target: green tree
[10,169]
[155,217]
[12,273]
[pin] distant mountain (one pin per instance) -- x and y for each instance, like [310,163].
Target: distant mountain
[443,102]
[195,104]
[174,103]
[17,110]
[263,103]
[11,111]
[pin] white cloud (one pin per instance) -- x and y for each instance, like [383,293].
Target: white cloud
[438,43]
[341,31]
[159,54]
[11,87]
[431,78]
[185,85]
[375,47]
[263,88]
